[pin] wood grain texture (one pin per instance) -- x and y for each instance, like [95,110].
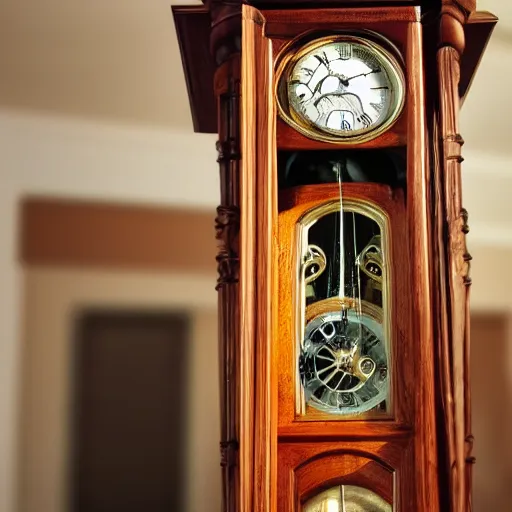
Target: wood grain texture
[415,414]
[286,22]
[348,468]
[310,467]
[269,4]
[292,28]
[388,22]
[292,140]
[444,392]
[89,234]
[418,200]
[259,214]
[453,274]
[293,204]
[457,352]
[248,274]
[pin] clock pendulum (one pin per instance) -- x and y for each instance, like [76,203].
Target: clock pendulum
[343,271]
[343,360]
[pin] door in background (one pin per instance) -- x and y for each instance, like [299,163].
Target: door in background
[129,412]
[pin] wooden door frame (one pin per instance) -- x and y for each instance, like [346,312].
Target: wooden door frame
[64,232]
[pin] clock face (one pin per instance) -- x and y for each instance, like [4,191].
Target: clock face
[347,89]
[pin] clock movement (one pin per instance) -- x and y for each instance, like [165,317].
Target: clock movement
[343,269]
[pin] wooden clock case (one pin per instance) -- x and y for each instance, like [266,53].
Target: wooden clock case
[419,458]
[317,454]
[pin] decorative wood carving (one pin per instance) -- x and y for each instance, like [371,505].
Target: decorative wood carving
[226,25]
[227,227]
[453,268]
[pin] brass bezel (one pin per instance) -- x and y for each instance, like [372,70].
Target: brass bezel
[297,49]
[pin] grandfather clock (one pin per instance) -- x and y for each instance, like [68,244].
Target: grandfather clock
[343,269]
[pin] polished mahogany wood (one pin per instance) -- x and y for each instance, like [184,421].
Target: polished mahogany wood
[290,139]
[414,357]
[284,27]
[308,468]
[279,4]
[191,22]
[258,441]
[418,197]
[285,23]
[477,32]
[454,271]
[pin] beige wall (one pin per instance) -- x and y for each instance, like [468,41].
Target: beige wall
[79,159]
[51,299]
[93,105]
[492,410]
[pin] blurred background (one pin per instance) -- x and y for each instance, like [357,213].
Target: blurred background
[107,202]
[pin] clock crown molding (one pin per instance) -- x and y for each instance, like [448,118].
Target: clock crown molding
[210,35]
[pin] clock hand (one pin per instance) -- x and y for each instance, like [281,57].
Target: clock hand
[346,81]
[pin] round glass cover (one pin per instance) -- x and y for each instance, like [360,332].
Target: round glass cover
[344,362]
[347,87]
[347,498]
[344,358]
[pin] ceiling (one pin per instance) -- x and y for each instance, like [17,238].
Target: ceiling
[119,61]
[114,60]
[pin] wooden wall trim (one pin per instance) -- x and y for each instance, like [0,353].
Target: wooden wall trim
[57,232]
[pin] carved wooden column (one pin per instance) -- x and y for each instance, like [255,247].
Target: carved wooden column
[225,48]
[453,265]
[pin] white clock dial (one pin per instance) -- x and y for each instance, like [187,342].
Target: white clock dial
[346,87]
